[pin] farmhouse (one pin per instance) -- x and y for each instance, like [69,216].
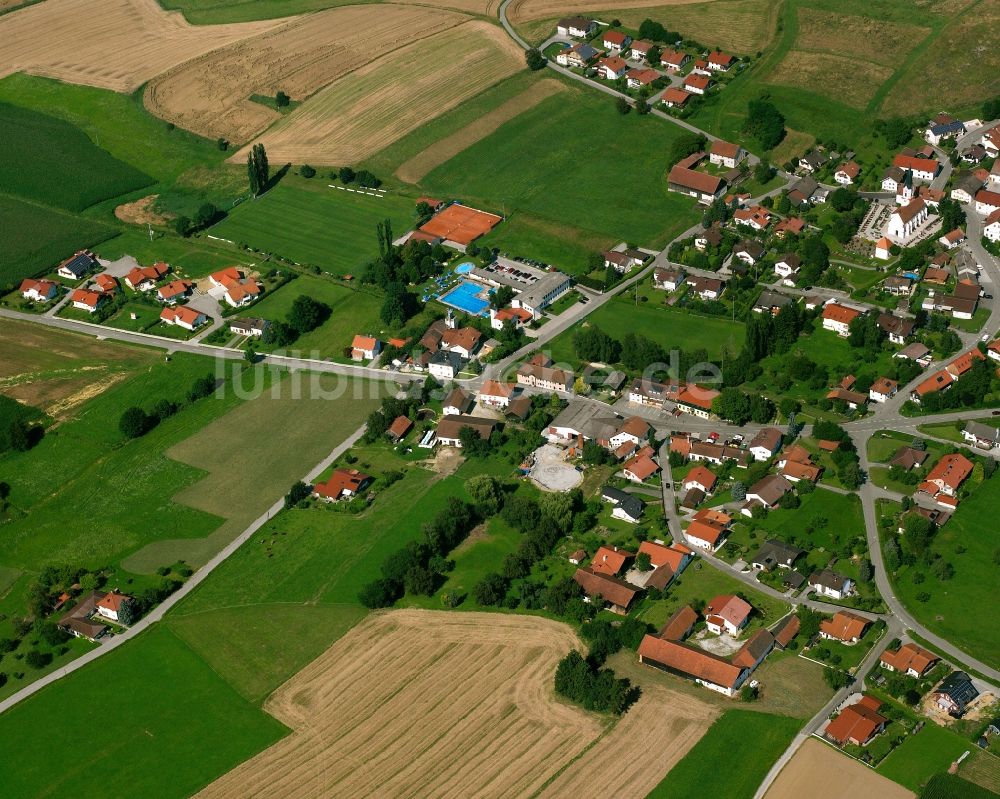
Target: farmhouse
[827,582]
[77,621]
[185,317]
[679,625]
[576,26]
[77,265]
[539,373]
[838,318]
[112,606]
[955,693]
[683,178]
[713,672]
[908,457]
[708,529]
[883,389]
[143,278]
[727,613]
[966,187]
[86,300]
[617,595]
[38,290]
[921,168]
[857,724]
[495,394]
[449,429]
[723,153]
[909,659]
[948,128]
[249,326]
[342,483]
[365,348]
[845,626]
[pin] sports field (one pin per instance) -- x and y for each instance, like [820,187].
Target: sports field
[37,238]
[761,736]
[489,724]
[115,44]
[820,771]
[366,110]
[211,94]
[50,161]
[315,224]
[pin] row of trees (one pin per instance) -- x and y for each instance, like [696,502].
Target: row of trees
[582,681]
[136,422]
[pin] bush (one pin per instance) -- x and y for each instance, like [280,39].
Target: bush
[135,422]
[380,593]
[38,660]
[307,171]
[535,59]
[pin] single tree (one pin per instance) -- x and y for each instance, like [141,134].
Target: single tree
[281,99]
[535,59]
[623,106]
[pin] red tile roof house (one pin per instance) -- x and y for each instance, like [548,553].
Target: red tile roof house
[640,49]
[38,290]
[612,67]
[611,560]
[847,173]
[683,660]
[696,84]
[400,426]
[641,467]
[616,40]
[701,478]
[719,62]
[838,318]
[673,60]
[516,316]
[173,291]
[365,348]
[845,627]
[756,217]
[110,605]
[86,300]
[106,284]
[674,557]
[858,723]
[674,97]
[683,178]
[463,340]
[727,613]
[708,529]
[723,153]
[947,475]
[143,278]
[344,483]
[616,594]
[696,401]
[243,292]
[909,659]
[637,78]
[494,394]
[185,317]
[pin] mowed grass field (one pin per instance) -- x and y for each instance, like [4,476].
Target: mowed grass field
[946,612]
[315,224]
[923,755]
[146,699]
[214,12]
[34,239]
[51,161]
[731,733]
[551,162]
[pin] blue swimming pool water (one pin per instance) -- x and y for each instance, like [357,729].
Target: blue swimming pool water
[464,269]
[465,297]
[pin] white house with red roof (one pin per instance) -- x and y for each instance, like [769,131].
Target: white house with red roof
[174,291]
[719,62]
[727,613]
[837,317]
[642,466]
[365,348]
[920,168]
[86,300]
[987,202]
[701,478]
[637,78]
[991,228]
[847,173]
[673,60]
[612,67]
[756,217]
[724,153]
[947,475]
[883,249]
[38,290]
[516,316]
[183,316]
[143,278]
[696,83]
[110,605]
[616,41]
[495,394]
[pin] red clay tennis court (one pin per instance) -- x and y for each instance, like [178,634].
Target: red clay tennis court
[461,224]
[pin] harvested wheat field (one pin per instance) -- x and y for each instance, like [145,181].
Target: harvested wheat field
[841,78]
[447,148]
[739,26]
[820,772]
[864,38]
[372,107]
[111,44]
[526,10]
[415,703]
[211,94]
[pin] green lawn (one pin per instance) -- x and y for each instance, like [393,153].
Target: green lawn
[945,612]
[215,12]
[310,223]
[759,738]
[146,316]
[168,725]
[551,162]
[922,755]
[36,238]
[51,161]
[194,257]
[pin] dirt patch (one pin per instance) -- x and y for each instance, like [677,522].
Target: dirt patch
[211,94]
[446,460]
[113,44]
[141,212]
[550,472]
[524,10]
[447,148]
[841,78]
[820,772]
[367,110]
[864,38]
[456,704]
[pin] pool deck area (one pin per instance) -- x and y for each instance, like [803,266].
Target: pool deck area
[468,296]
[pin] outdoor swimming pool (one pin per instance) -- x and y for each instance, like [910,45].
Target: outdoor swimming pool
[464,269]
[467,296]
